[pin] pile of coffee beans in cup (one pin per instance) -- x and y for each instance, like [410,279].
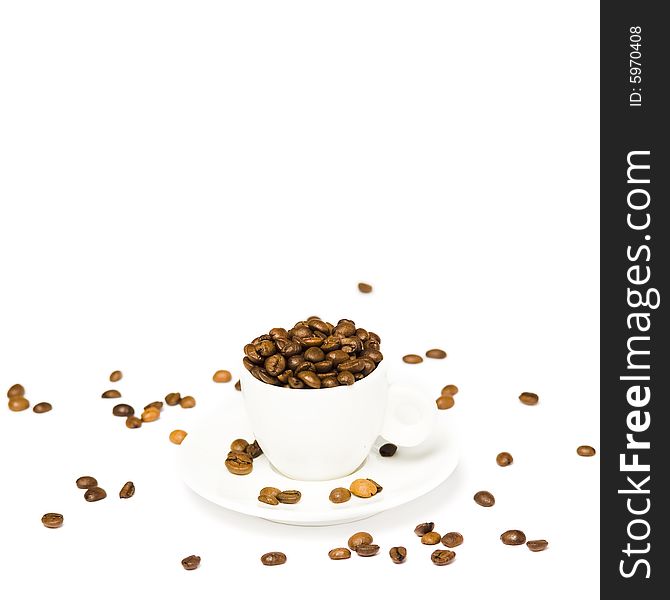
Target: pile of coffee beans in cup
[313,354]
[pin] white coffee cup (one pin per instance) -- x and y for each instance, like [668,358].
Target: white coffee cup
[315,435]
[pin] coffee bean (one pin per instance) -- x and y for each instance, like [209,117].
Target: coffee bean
[292,349]
[431,538]
[248,365]
[123,410]
[187,402]
[310,342]
[52,520]
[115,376]
[345,328]
[398,554]
[128,490]
[358,376]
[339,495]
[324,366]
[18,403]
[388,450]
[295,383]
[442,557]
[301,330]
[270,559]
[586,451]
[337,357]
[266,348]
[278,333]
[331,343]
[42,407]
[256,372]
[452,539]
[268,499]
[239,445]
[275,364]
[94,494]
[310,379]
[513,537]
[449,390]
[111,394]
[445,402]
[133,423]
[190,562]
[239,463]
[173,399]
[412,359]
[373,354]
[367,550]
[484,499]
[529,398]
[436,353]
[289,496]
[364,488]
[222,376]
[339,554]
[368,365]
[346,378]
[177,436]
[537,545]
[364,288]
[329,382]
[270,491]
[254,450]
[283,377]
[252,354]
[318,325]
[86,482]
[238,386]
[358,539]
[265,377]
[157,405]
[314,355]
[423,528]
[355,366]
[504,459]
[17,390]
[150,414]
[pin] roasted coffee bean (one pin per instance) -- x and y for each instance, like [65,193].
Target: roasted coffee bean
[270,491]
[359,538]
[52,520]
[337,357]
[150,414]
[484,499]
[294,361]
[331,343]
[364,288]
[111,394]
[18,403]
[346,378]
[445,402]
[442,557]
[292,349]
[368,365]
[358,376]
[449,390]
[379,487]
[305,365]
[314,355]
[310,342]
[252,354]
[373,336]
[355,365]
[398,554]
[17,390]
[266,348]
[339,554]
[352,344]
[239,463]
[248,365]
[423,528]
[275,364]
[367,549]
[289,496]
[345,328]
[177,436]
[339,495]
[128,490]
[324,366]
[412,359]
[222,376]
[85,482]
[529,398]
[278,333]
[270,559]
[238,386]
[133,422]
[254,450]
[256,372]
[115,376]
[283,377]
[323,376]
[239,445]
[373,354]
[173,398]
[436,353]
[272,500]
[537,545]
[123,410]
[190,562]
[187,402]
[452,539]
[42,407]
[94,494]
[265,377]
[329,382]
[310,379]
[431,538]
[513,537]
[157,405]
[504,459]
[301,331]
[388,450]
[371,344]
[364,488]
[318,325]
[295,383]
[586,451]
[362,334]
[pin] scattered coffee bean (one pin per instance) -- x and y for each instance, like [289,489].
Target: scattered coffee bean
[94,494]
[452,539]
[367,550]
[239,445]
[239,463]
[513,537]
[442,557]
[238,386]
[436,353]
[339,495]
[187,402]
[17,390]
[445,402]
[388,450]
[177,436]
[270,491]
[111,394]
[268,499]
[150,414]
[359,538]
[128,490]
[133,422]
[270,559]
[423,528]
[364,288]
[449,390]
[157,405]
[529,398]
[398,554]
[115,376]
[364,488]
[190,562]
[484,499]
[123,410]
[289,496]
[586,451]
[52,520]
[42,407]
[412,359]
[431,538]
[173,398]
[18,403]
[86,482]
[504,459]
[254,450]
[339,554]
[222,376]
[537,545]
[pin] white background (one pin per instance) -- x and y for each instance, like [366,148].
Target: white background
[177,177]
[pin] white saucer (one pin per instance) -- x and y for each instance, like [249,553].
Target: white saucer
[409,474]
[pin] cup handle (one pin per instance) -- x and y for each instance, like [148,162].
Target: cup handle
[410,415]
